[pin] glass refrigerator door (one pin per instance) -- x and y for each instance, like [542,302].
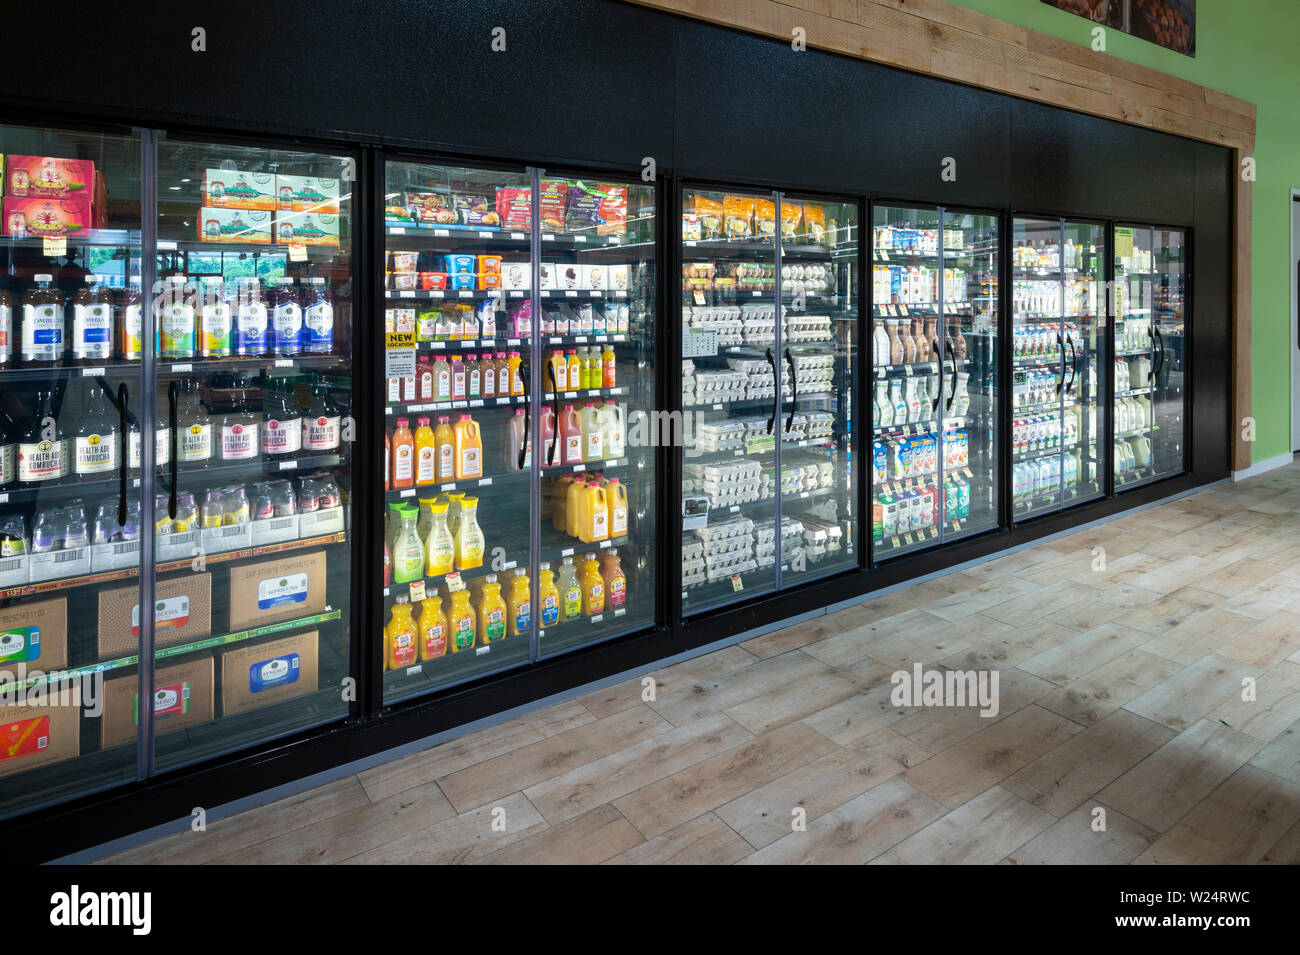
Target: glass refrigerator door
[596,344]
[458,463]
[254,334]
[1136,423]
[730,363]
[819,352]
[1083,462]
[70,407]
[1169,357]
[911,336]
[969,408]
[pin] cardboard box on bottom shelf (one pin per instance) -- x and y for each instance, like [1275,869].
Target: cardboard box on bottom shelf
[33,736]
[35,634]
[266,673]
[275,590]
[183,696]
[182,612]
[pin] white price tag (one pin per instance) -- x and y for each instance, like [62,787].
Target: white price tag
[56,246]
[177,369]
[93,372]
[297,252]
[517,235]
[441,232]
[465,293]
[288,465]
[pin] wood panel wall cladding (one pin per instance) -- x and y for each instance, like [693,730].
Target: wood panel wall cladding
[941,39]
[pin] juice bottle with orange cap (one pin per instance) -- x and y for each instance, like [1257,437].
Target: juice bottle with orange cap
[519,604]
[400,636]
[593,586]
[491,611]
[403,454]
[425,454]
[433,626]
[462,623]
[469,449]
[444,450]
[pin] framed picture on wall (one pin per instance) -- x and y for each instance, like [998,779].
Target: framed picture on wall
[1167,23]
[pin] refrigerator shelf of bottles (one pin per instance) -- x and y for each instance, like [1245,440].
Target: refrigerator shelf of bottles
[206,643]
[52,491]
[907,369]
[584,339]
[585,393]
[168,365]
[928,426]
[592,620]
[902,485]
[436,406]
[559,553]
[1136,432]
[925,535]
[475,485]
[395,680]
[1048,499]
[586,466]
[1036,453]
[126,573]
[502,237]
[395,588]
[1131,392]
[230,469]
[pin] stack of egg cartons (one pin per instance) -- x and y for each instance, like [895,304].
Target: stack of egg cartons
[813,278]
[688,382]
[725,435]
[799,327]
[728,548]
[758,376]
[814,373]
[816,425]
[692,562]
[758,323]
[723,319]
[717,386]
[725,484]
[821,538]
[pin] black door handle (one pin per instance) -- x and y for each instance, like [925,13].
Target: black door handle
[772,420]
[1060,381]
[172,390]
[794,391]
[934,350]
[1160,353]
[1074,364]
[122,399]
[555,413]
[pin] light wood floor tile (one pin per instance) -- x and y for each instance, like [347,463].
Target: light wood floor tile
[1063,777]
[1198,635]
[588,839]
[1268,642]
[1082,654]
[792,701]
[1169,610]
[1165,786]
[863,713]
[979,832]
[857,831]
[1010,648]
[966,769]
[1276,704]
[1193,691]
[1072,840]
[938,727]
[704,840]
[707,697]
[628,693]
[1236,825]
[1094,695]
[763,815]
[1281,757]
[1286,851]
[462,838]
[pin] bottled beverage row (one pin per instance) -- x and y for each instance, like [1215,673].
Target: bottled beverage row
[211,320]
[1048,297]
[907,341]
[1045,432]
[900,401]
[458,321]
[899,458]
[1047,476]
[1051,254]
[1040,387]
[896,512]
[1044,342]
[45,449]
[457,377]
[917,285]
[481,616]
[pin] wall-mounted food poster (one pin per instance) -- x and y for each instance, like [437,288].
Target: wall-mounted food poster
[1168,23]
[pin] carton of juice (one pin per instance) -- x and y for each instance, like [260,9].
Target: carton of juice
[46,217]
[49,177]
[232,189]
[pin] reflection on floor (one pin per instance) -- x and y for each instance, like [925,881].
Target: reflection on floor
[1123,655]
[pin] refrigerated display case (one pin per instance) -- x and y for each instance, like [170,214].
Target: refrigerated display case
[935,470]
[1058,384]
[507,332]
[70,407]
[769,343]
[1149,406]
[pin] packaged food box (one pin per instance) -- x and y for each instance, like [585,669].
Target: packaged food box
[49,177]
[489,280]
[182,612]
[402,261]
[307,194]
[547,275]
[182,696]
[554,196]
[310,228]
[791,217]
[710,212]
[516,275]
[35,634]
[593,277]
[433,280]
[232,189]
[489,263]
[568,275]
[33,736]
[41,218]
[612,216]
[582,208]
[738,216]
[515,207]
[764,218]
[235,226]
[266,673]
[461,281]
[476,211]
[458,263]
[431,208]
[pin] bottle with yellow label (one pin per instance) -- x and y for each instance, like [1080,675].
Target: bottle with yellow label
[408,550]
[548,595]
[400,636]
[570,591]
[491,610]
[462,625]
[593,586]
[469,537]
[519,604]
[439,545]
[433,626]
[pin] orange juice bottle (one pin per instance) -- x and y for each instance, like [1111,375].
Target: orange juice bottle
[425,454]
[400,636]
[469,537]
[615,580]
[548,595]
[516,378]
[444,451]
[573,498]
[616,500]
[593,587]
[491,610]
[560,370]
[433,626]
[570,591]
[519,604]
[608,367]
[462,627]
[575,370]
[439,545]
[469,449]
[403,455]
[594,519]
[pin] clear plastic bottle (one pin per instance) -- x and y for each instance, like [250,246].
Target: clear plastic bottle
[92,322]
[176,314]
[96,440]
[317,317]
[250,334]
[286,319]
[43,323]
[570,591]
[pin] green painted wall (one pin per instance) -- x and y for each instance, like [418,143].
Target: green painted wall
[1249,49]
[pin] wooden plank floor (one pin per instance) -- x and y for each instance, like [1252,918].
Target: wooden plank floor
[1121,691]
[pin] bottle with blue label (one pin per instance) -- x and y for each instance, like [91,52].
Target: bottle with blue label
[92,322]
[286,319]
[250,320]
[317,317]
[43,324]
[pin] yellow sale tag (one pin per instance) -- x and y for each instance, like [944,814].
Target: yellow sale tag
[56,246]
[417,591]
[297,252]
[736,583]
[454,583]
